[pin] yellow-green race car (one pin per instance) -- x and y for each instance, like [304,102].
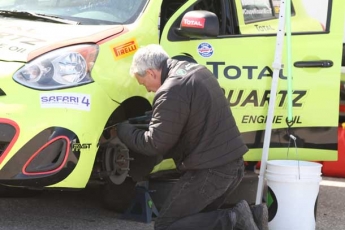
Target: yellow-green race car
[64,82]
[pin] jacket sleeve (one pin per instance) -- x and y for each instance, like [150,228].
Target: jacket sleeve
[170,113]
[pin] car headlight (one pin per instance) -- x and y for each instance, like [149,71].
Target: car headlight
[62,68]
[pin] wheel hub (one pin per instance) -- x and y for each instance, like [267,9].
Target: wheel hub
[117,161]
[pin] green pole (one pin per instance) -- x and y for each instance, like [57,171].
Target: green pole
[289,58]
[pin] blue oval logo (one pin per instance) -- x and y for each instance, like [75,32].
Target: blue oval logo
[205,49]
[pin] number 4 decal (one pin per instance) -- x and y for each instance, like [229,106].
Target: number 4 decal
[85,101]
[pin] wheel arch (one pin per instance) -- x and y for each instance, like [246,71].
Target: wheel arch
[131,107]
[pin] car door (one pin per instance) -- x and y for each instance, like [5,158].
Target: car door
[241,58]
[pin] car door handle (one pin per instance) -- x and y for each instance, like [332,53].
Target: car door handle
[313,64]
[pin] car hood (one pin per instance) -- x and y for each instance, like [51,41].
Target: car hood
[22,40]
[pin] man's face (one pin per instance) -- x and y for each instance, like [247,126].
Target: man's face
[151,80]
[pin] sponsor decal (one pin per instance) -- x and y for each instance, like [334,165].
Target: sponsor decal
[12,48]
[260,98]
[193,22]
[257,11]
[250,72]
[261,119]
[76,101]
[79,146]
[205,50]
[263,28]
[19,39]
[124,49]
[7,39]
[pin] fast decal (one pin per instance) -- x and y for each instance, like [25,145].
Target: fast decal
[79,146]
[193,22]
[124,49]
[205,50]
[76,101]
[233,72]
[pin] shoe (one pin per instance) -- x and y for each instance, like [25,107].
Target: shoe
[244,216]
[260,214]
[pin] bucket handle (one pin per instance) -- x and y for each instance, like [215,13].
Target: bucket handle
[287,154]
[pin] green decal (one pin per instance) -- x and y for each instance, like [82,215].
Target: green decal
[272,204]
[150,203]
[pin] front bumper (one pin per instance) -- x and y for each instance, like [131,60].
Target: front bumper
[45,159]
[45,144]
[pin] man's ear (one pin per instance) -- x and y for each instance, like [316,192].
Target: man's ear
[155,73]
[151,73]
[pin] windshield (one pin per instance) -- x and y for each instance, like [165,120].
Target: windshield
[87,12]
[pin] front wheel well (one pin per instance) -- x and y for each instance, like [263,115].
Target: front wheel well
[132,107]
[113,162]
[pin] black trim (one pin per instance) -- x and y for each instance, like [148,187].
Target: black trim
[7,133]
[2,93]
[50,158]
[306,137]
[314,64]
[329,16]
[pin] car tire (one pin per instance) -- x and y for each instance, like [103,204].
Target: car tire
[117,198]
[118,188]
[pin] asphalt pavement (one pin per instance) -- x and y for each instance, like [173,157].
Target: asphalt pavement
[331,204]
[81,210]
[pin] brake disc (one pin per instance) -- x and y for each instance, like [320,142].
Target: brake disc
[117,161]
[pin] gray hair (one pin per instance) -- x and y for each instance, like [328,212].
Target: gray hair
[148,57]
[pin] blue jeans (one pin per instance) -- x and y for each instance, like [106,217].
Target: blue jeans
[194,202]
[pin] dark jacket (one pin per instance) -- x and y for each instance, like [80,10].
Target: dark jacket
[191,120]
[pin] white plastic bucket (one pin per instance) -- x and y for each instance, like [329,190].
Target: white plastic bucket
[293,188]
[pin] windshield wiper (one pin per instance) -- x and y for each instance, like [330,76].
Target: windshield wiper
[29,15]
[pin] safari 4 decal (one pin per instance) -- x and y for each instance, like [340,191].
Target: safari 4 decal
[66,100]
[124,49]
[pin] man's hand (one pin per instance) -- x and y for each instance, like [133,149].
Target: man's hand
[109,134]
[113,132]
